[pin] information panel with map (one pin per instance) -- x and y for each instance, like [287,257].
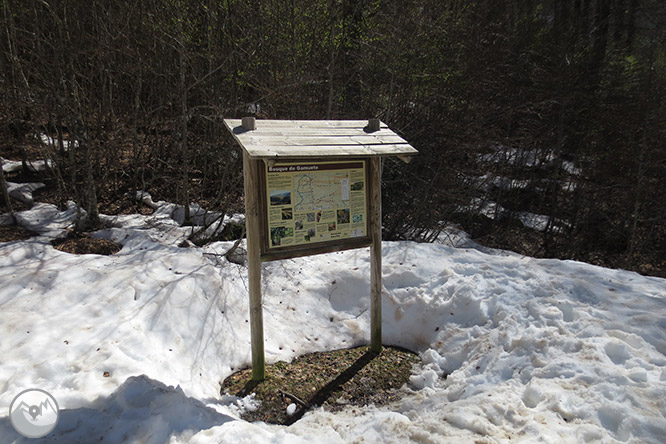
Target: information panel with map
[312,202]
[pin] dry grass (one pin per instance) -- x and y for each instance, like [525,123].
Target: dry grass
[333,379]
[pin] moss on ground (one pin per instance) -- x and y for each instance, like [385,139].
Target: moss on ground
[332,379]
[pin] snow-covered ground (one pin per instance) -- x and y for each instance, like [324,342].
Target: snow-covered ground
[134,346]
[532,158]
[11,166]
[493,210]
[537,159]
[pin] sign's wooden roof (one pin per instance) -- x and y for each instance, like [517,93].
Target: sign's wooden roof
[285,139]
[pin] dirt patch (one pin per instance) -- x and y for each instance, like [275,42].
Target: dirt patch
[333,379]
[124,206]
[9,233]
[17,205]
[84,244]
[17,150]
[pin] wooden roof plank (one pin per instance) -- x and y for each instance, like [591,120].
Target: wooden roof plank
[306,132]
[325,124]
[268,152]
[316,141]
[285,139]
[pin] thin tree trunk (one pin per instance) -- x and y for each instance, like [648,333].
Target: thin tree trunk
[89,189]
[331,64]
[183,148]
[5,194]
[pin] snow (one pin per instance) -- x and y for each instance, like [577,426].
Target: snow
[49,141]
[531,158]
[538,159]
[11,166]
[487,181]
[538,222]
[493,210]
[134,346]
[454,236]
[47,220]
[23,191]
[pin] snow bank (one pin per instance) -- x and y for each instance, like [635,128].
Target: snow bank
[23,191]
[532,158]
[493,210]
[127,415]
[11,166]
[48,221]
[49,141]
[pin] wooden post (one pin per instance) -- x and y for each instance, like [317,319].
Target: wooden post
[376,255]
[251,184]
[249,123]
[373,125]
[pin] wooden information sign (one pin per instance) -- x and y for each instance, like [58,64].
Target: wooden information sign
[312,187]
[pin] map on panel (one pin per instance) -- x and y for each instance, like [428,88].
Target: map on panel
[315,202]
[321,191]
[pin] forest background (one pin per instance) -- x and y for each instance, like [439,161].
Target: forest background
[554,108]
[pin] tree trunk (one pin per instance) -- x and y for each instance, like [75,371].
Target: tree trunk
[90,190]
[182,141]
[5,195]
[331,64]
[600,33]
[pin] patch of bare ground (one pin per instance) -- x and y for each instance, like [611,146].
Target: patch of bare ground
[9,233]
[332,379]
[17,150]
[124,206]
[85,244]
[17,206]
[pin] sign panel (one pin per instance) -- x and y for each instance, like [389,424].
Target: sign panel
[311,202]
